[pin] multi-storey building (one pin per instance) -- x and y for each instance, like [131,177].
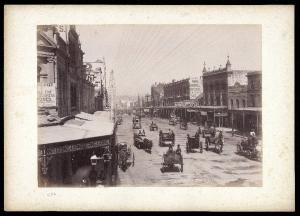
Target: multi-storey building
[245,104]
[218,85]
[182,90]
[254,89]
[157,93]
[63,88]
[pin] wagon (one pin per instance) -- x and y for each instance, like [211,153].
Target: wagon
[208,132]
[153,126]
[119,120]
[125,155]
[170,159]
[248,148]
[166,139]
[142,142]
[216,141]
[183,125]
[137,126]
[172,121]
[193,142]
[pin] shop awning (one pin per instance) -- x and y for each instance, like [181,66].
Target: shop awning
[77,129]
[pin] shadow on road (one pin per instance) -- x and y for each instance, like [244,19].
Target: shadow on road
[170,169]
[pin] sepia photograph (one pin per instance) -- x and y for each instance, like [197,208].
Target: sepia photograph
[130,109]
[149,105]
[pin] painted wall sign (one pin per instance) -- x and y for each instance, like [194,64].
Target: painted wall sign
[46,94]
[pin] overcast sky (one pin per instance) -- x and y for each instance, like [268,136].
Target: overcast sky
[141,55]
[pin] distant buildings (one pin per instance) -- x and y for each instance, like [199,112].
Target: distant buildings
[157,94]
[182,90]
[223,97]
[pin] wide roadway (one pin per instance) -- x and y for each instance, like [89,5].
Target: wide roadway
[199,169]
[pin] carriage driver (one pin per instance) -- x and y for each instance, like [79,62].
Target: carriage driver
[178,150]
[252,136]
[170,150]
[252,133]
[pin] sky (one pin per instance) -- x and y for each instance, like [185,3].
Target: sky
[141,55]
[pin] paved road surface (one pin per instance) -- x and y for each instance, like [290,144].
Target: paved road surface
[206,169]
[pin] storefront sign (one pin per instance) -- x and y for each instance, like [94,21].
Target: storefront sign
[46,95]
[51,150]
[221,114]
[203,113]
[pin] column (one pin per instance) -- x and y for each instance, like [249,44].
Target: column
[257,124]
[243,122]
[232,123]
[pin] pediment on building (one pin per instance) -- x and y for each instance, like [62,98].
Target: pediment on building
[44,41]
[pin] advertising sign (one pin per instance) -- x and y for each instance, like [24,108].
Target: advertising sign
[195,87]
[221,114]
[46,95]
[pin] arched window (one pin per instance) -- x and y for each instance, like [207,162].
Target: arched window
[237,103]
[244,103]
[231,103]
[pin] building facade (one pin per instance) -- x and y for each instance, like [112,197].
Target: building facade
[221,90]
[182,90]
[63,89]
[254,89]
[245,104]
[157,93]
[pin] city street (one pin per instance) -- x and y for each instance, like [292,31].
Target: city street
[206,169]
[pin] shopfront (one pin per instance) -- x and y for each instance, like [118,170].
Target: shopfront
[63,149]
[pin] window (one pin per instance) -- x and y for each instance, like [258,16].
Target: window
[231,103]
[237,103]
[73,96]
[253,100]
[244,103]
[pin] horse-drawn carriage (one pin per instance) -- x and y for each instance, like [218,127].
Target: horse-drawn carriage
[136,123]
[119,120]
[184,125]
[141,141]
[172,121]
[170,159]
[153,126]
[248,147]
[125,155]
[193,142]
[166,138]
[208,131]
[214,139]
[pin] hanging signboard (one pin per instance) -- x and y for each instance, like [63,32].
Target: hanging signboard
[46,95]
[221,114]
